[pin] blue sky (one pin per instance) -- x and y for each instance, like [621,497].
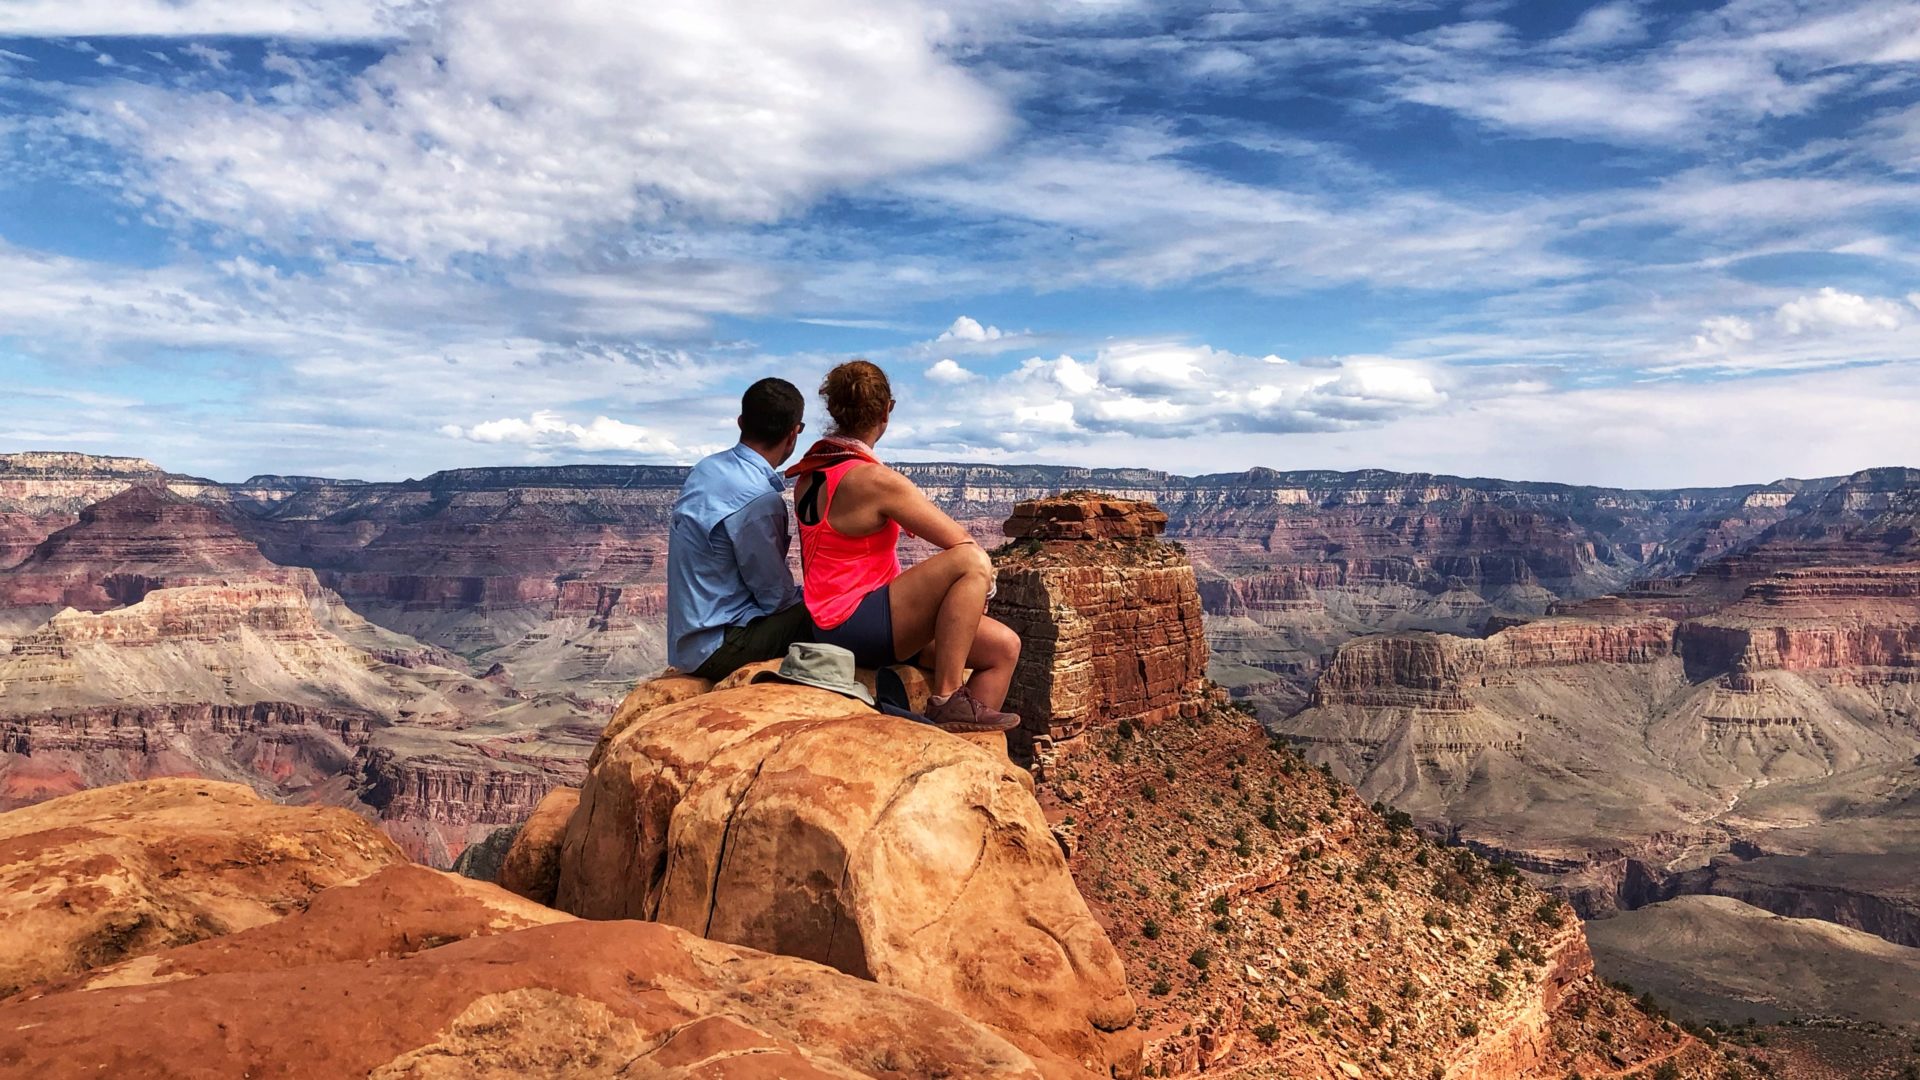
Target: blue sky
[1629,243]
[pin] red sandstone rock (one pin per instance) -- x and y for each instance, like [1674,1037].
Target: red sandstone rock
[532,865]
[415,973]
[122,871]
[797,821]
[1109,630]
[1439,671]
[1085,515]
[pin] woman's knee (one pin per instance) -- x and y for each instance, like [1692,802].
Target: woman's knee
[1002,644]
[973,560]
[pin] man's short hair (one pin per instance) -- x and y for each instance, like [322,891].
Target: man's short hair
[770,410]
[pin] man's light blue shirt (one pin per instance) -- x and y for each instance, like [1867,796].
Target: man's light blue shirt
[726,553]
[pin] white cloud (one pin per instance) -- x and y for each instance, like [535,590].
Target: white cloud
[1828,328]
[550,431]
[1831,309]
[1721,333]
[969,329]
[1172,390]
[337,20]
[951,373]
[1127,208]
[1718,75]
[1618,23]
[506,127]
[208,55]
[1895,138]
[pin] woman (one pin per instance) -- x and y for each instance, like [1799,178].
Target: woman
[852,510]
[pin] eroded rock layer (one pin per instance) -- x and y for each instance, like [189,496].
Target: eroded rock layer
[221,664]
[1762,746]
[556,573]
[1110,629]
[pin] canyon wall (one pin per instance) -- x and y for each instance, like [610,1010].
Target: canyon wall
[513,566]
[1761,747]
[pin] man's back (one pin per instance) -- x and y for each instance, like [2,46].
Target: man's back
[726,553]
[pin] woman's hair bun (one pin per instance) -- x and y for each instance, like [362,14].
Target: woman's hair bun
[858,395]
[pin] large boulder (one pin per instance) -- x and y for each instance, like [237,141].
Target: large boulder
[531,867]
[796,821]
[94,877]
[420,974]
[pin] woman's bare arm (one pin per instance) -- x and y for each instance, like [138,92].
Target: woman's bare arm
[905,503]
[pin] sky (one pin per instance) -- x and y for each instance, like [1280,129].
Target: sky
[1622,243]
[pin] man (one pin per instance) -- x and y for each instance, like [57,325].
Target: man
[730,598]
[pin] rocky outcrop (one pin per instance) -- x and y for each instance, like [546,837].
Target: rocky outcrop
[403,971]
[1110,628]
[1414,671]
[532,865]
[797,821]
[1085,515]
[123,871]
[1283,928]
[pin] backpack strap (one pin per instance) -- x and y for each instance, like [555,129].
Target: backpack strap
[807,509]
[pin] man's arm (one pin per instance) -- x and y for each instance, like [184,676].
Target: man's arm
[759,534]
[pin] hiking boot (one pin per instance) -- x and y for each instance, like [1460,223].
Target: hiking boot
[961,713]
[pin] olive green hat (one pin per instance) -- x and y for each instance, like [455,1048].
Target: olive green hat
[828,667]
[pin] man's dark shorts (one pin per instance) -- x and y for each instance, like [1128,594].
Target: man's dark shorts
[765,638]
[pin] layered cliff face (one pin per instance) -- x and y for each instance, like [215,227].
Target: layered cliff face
[132,543]
[1278,926]
[555,573]
[187,652]
[1764,750]
[185,928]
[1108,616]
[241,682]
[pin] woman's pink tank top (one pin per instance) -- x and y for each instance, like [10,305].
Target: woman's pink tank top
[840,570]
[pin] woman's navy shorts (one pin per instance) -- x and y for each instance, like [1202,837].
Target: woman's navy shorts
[867,633]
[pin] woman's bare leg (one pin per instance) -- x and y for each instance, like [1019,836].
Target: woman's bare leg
[995,653]
[942,601]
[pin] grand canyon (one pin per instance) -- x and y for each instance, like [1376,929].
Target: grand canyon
[1336,765]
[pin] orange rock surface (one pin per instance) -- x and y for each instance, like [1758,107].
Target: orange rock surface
[797,821]
[118,871]
[532,865]
[416,973]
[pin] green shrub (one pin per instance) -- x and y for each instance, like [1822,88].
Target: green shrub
[1550,913]
[1335,984]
